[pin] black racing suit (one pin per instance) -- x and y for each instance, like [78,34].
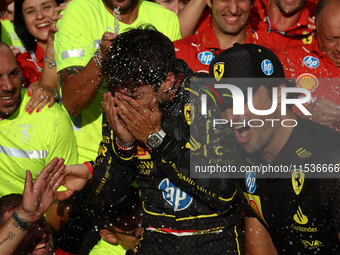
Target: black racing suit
[181,215]
[301,213]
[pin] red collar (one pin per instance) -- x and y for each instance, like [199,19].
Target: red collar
[39,54]
[316,50]
[209,37]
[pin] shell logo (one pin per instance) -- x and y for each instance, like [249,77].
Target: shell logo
[255,207]
[307,81]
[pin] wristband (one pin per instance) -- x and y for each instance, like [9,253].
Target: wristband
[89,167]
[20,222]
[51,62]
[125,147]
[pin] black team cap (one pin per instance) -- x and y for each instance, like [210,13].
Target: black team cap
[244,62]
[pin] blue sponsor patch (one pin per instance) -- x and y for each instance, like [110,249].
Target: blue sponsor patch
[267,67]
[174,196]
[311,62]
[205,57]
[251,182]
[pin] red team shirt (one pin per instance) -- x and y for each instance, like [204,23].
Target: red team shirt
[198,50]
[303,60]
[28,67]
[61,252]
[315,71]
[260,24]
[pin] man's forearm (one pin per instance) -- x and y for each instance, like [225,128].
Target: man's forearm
[49,74]
[80,86]
[10,237]
[11,234]
[114,168]
[190,15]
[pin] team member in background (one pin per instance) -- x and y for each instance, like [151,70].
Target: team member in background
[29,141]
[227,26]
[8,34]
[119,224]
[316,66]
[32,21]
[282,23]
[23,229]
[292,212]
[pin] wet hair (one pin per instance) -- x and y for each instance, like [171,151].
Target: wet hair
[139,57]
[20,27]
[105,213]
[9,203]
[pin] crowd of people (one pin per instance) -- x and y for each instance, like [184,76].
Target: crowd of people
[108,107]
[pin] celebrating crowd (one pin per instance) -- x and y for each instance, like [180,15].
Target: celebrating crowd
[107,106]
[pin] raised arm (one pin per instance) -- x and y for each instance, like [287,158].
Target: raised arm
[79,84]
[45,91]
[189,16]
[173,157]
[37,198]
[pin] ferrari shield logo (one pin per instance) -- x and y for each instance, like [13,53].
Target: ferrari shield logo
[218,70]
[298,178]
[25,133]
[189,113]
[308,39]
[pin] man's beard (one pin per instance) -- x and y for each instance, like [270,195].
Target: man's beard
[291,12]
